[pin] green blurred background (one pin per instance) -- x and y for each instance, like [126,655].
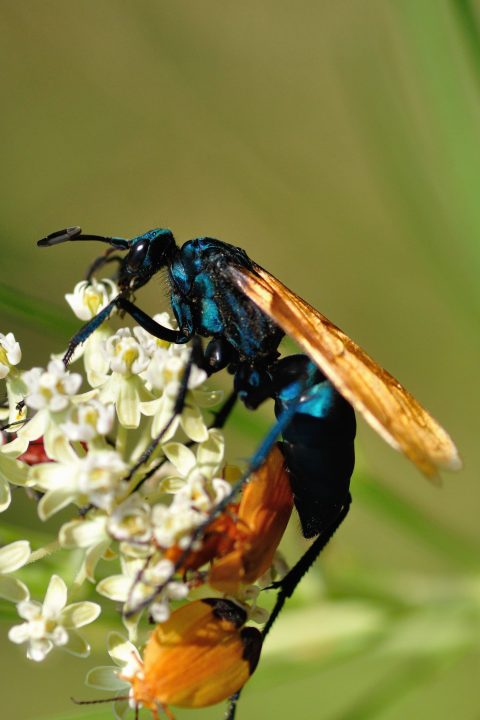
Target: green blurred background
[339,144]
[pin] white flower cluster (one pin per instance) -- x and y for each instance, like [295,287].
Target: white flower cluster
[84,433]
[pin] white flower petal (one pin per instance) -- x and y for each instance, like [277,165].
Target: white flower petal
[15,447]
[14,556]
[92,556]
[83,533]
[193,424]
[160,611]
[14,471]
[128,403]
[211,452]
[35,427]
[29,610]
[115,587]
[59,636]
[79,614]
[181,456]
[12,589]
[105,678]
[5,495]
[121,650]
[55,597]
[53,501]
[177,590]
[39,649]
[151,407]
[51,475]
[76,645]
[19,634]
[95,358]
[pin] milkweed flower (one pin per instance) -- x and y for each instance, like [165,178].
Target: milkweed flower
[91,296]
[96,478]
[50,393]
[124,387]
[164,375]
[87,299]
[89,535]
[51,389]
[89,421]
[53,623]
[138,583]
[80,449]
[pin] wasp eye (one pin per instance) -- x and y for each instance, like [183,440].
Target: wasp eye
[137,255]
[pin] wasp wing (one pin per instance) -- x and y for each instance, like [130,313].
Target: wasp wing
[389,408]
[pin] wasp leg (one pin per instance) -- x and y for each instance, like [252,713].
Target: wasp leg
[144,320]
[288,584]
[255,463]
[99,262]
[232,706]
[223,414]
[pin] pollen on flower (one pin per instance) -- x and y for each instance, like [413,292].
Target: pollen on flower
[89,297]
[125,353]
[52,388]
[89,420]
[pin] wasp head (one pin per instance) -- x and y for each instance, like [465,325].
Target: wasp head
[147,254]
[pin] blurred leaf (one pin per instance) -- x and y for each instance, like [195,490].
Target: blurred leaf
[27,309]
[388,504]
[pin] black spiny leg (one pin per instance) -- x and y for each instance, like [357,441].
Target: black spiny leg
[223,414]
[232,707]
[99,262]
[286,586]
[144,320]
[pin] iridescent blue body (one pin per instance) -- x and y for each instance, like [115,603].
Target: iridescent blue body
[318,441]
[205,302]
[316,423]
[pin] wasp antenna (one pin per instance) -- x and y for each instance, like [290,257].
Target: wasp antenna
[98,702]
[75,233]
[60,236]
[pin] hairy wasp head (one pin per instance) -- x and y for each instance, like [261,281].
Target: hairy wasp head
[147,254]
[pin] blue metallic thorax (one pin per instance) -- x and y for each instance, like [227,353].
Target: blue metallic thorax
[207,303]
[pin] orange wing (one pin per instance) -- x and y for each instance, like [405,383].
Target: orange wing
[384,403]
